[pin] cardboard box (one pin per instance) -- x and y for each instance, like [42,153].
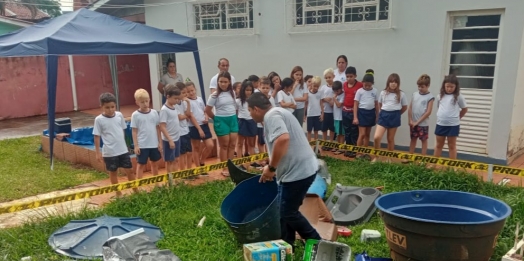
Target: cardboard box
[322,250]
[316,212]
[277,250]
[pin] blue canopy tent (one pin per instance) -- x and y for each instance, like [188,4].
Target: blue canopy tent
[86,32]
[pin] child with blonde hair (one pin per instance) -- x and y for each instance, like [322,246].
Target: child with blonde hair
[326,114]
[314,108]
[146,134]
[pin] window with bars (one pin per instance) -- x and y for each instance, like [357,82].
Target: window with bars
[311,12]
[224,15]
[473,56]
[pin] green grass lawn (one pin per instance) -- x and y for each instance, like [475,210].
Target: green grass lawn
[177,212]
[25,171]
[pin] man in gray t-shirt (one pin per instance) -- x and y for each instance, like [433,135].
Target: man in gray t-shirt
[291,160]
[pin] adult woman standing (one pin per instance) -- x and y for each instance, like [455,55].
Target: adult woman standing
[171,77]
[342,64]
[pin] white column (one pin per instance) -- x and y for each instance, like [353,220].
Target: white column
[73,82]
[154,75]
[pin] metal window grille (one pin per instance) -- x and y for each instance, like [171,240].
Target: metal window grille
[223,15]
[311,12]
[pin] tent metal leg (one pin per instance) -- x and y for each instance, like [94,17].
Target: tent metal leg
[114,77]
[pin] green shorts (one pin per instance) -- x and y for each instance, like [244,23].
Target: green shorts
[339,128]
[224,125]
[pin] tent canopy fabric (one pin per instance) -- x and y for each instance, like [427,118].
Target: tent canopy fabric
[86,32]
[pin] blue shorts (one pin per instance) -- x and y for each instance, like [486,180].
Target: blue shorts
[314,123]
[193,132]
[367,118]
[171,154]
[328,123]
[185,144]
[247,128]
[447,131]
[389,119]
[152,154]
[261,140]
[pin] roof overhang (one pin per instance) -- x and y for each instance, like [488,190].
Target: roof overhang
[16,22]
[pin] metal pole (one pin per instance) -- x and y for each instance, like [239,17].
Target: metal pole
[73,82]
[114,78]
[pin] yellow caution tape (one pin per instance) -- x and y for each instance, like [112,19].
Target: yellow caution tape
[128,185]
[454,163]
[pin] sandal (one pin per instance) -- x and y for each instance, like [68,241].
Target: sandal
[338,152]
[225,173]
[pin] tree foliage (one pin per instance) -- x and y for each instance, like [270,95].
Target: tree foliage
[51,7]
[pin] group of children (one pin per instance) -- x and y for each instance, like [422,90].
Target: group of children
[350,109]
[172,133]
[342,110]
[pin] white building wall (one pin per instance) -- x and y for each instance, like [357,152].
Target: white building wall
[418,44]
[516,137]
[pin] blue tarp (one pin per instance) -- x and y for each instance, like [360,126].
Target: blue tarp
[86,32]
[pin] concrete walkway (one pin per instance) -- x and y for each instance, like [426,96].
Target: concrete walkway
[30,126]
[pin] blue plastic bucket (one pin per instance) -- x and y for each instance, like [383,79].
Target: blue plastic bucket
[251,211]
[441,225]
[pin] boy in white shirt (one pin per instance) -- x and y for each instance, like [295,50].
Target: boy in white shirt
[313,109]
[184,115]
[110,126]
[170,128]
[146,134]
[419,110]
[326,117]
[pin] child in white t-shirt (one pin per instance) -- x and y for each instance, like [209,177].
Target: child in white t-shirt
[419,110]
[285,97]
[109,126]
[326,117]
[451,108]
[184,116]
[146,134]
[265,88]
[392,103]
[366,108]
[170,128]
[199,131]
[314,109]
[338,101]
[247,127]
